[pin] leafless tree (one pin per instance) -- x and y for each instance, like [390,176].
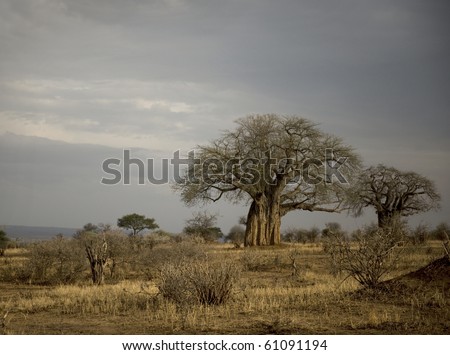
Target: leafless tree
[95,246]
[203,225]
[276,164]
[393,194]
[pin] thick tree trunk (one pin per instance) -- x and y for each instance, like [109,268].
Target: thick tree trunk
[263,222]
[387,218]
[382,219]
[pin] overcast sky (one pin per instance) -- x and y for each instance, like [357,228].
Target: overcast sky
[81,80]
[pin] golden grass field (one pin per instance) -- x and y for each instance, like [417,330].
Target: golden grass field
[267,299]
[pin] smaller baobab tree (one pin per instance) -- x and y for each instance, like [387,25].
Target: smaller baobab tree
[393,194]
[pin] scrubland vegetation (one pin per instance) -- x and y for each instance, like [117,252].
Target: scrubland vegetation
[383,279]
[162,284]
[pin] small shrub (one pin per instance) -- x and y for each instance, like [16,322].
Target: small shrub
[236,236]
[370,254]
[213,285]
[174,284]
[254,260]
[150,262]
[419,235]
[198,282]
[293,255]
[4,242]
[441,232]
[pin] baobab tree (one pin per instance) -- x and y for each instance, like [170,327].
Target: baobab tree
[393,194]
[276,164]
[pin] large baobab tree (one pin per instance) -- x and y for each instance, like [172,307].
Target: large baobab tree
[393,194]
[276,164]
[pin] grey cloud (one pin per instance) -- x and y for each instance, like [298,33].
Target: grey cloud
[47,182]
[40,161]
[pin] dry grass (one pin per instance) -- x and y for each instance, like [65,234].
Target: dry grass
[267,298]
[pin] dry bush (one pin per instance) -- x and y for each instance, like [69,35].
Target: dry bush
[253,260]
[174,283]
[57,261]
[4,242]
[370,254]
[150,262]
[419,235]
[65,260]
[111,250]
[198,282]
[236,235]
[213,284]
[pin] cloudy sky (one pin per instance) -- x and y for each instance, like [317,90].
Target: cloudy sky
[82,80]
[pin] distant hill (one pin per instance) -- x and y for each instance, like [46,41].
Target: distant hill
[26,233]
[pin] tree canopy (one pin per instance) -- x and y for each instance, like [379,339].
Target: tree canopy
[276,164]
[393,193]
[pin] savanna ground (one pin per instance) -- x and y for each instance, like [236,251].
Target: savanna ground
[267,298]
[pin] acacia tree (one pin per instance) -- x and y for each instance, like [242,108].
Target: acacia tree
[136,222]
[393,194]
[276,164]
